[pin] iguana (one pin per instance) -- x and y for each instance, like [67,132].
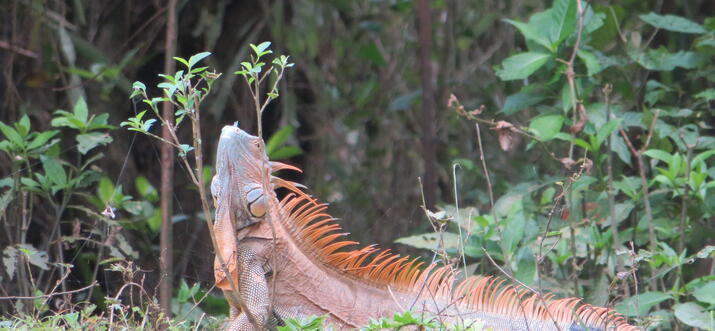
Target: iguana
[292,252]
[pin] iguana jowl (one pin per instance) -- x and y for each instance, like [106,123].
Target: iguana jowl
[316,272]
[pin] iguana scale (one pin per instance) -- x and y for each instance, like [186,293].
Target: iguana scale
[319,273]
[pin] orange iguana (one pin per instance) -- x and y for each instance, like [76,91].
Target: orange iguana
[315,272]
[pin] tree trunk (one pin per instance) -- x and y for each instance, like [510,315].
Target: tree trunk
[167,172]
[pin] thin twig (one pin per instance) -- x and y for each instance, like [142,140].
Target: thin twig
[49,295]
[459,220]
[505,252]
[609,170]
[644,189]
[570,74]
[684,205]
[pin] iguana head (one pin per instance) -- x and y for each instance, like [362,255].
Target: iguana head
[242,185]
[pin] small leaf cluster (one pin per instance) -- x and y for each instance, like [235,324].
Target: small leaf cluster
[255,73]
[185,90]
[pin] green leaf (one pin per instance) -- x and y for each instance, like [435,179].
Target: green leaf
[404,101]
[196,58]
[672,23]
[431,240]
[80,111]
[166,85]
[545,127]
[659,155]
[91,140]
[186,63]
[99,122]
[593,66]
[6,182]
[41,139]
[531,33]
[695,316]
[198,70]
[262,46]
[564,17]
[278,138]
[371,53]
[105,190]
[522,100]
[705,43]
[145,189]
[622,210]
[662,60]
[177,78]
[706,95]
[134,207]
[9,259]
[67,119]
[154,222]
[29,182]
[640,304]
[184,149]
[522,65]
[606,131]
[54,171]
[285,152]
[513,228]
[23,126]
[706,293]
[36,258]
[139,86]
[592,20]
[12,135]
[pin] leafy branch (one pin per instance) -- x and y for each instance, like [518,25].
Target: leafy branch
[255,74]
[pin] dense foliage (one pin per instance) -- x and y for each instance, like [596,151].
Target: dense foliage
[575,152]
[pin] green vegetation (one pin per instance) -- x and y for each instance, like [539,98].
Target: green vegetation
[575,147]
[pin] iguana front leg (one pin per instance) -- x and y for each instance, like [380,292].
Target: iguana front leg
[252,291]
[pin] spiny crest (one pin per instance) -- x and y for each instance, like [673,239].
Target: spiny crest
[492,295]
[319,235]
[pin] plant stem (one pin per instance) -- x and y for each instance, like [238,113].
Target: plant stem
[652,239]
[570,74]
[684,208]
[428,102]
[611,197]
[198,179]
[490,190]
[167,173]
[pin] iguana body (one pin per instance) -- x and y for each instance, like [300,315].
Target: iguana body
[316,273]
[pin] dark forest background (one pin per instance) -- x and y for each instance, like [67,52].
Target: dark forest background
[605,120]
